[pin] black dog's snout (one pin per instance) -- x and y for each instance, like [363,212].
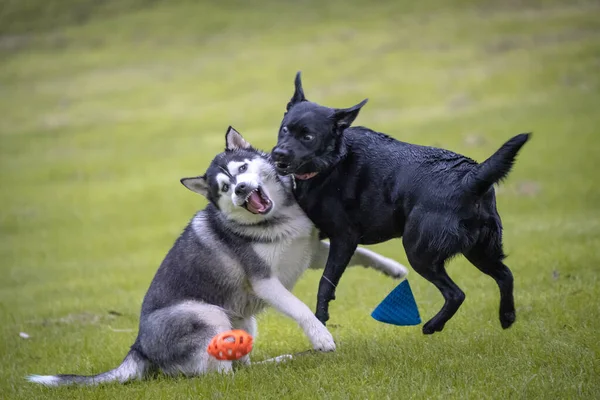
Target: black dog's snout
[281,154]
[241,189]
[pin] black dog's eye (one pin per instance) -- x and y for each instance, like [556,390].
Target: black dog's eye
[243,168]
[284,129]
[225,187]
[308,138]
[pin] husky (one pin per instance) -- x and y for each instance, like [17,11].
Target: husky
[243,252]
[359,186]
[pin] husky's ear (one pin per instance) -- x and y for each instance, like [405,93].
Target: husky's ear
[234,141]
[344,117]
[298,96]
[198,184]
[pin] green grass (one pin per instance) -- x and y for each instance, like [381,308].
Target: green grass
[103,108]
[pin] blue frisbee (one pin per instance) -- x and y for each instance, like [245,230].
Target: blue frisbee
[399,307]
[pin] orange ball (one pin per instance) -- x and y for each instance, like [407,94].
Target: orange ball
[230,345]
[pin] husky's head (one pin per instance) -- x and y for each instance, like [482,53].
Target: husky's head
[241,182]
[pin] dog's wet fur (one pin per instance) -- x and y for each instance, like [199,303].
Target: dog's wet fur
[243,252]
[359,186]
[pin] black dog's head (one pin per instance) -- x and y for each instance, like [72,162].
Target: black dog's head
[310,135]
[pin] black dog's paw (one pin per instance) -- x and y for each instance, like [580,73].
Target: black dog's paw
[432,327]
[507,319]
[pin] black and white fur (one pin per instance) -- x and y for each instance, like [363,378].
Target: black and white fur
[227,265]
[359,186]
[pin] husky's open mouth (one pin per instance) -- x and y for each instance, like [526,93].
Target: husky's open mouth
[257,202]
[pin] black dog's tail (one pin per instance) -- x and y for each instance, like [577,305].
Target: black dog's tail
[495,168]
[134,366]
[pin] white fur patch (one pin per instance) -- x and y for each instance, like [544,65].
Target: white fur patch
[368,258]
[222,179]
[288,259]
[208,313]
[200,226]
[298,225]
[275,294]
[234,166]
[47,380]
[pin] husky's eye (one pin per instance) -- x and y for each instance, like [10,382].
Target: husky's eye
[243,168]
[225,187]
[308,138]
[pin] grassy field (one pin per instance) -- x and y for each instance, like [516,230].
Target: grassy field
[105,105]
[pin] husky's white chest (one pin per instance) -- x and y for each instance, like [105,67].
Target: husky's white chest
[290,257]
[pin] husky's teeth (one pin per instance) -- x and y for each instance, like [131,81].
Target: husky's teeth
[249,194]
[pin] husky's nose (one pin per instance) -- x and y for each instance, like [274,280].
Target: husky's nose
[242,189]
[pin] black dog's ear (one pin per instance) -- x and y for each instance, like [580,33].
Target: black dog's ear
[298,96]
[345,116]
[234,141]
[199,184]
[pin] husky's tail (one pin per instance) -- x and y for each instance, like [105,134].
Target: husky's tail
[495,168]
[134,366]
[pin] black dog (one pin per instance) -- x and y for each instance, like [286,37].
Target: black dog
[363,187]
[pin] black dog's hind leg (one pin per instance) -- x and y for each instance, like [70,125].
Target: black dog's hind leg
[453,297]
[488,259]
[428,245]
[340,252]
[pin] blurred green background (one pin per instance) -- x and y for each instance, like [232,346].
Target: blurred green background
[104,105]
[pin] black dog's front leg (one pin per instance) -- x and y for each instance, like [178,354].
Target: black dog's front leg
[340,253]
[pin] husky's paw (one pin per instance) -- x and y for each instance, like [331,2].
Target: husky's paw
[394,269]
[320,338]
